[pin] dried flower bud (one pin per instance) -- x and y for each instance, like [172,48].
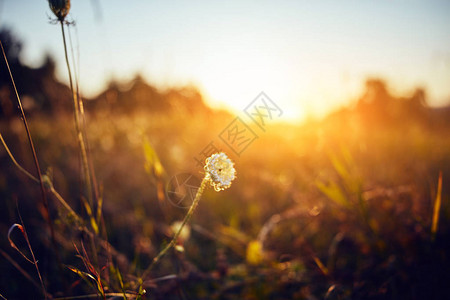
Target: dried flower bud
[220,171]
[60,8]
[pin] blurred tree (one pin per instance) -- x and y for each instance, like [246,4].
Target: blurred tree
[12,49]
[38,88]
[378,107]
[373,105]
[12,46]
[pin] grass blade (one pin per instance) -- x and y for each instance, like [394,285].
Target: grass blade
[437,208]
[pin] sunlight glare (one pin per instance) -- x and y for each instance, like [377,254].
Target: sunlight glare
[237,77]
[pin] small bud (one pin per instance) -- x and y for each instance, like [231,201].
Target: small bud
[60,8]
[185,232]
[179,248]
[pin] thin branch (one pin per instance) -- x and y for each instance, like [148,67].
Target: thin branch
[47,181]
[16,163]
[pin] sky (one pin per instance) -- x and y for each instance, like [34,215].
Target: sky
[309,57]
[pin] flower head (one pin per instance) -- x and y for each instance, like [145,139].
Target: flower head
[60,8]
[220,171]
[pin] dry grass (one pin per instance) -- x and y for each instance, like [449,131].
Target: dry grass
[343,208]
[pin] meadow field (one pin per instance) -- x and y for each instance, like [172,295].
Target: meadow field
[354,205]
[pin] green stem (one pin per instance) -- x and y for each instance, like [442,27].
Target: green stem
[177,234]
[76,108]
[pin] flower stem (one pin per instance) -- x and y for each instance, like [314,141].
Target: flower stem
[76,108]
[186,219]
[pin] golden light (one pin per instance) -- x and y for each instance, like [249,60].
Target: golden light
[237,77]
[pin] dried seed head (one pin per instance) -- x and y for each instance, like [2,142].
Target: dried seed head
[220,171]
[60,8]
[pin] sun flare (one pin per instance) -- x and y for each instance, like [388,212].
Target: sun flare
[232,80]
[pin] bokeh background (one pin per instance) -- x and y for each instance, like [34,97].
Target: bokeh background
[311,56]
[335,195]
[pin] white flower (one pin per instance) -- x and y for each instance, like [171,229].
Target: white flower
[220,171]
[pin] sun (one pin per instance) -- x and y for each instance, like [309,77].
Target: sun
[233,79]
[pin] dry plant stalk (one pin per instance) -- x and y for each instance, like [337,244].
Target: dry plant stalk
[219,173]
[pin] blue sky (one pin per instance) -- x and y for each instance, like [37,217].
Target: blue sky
[308,56]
